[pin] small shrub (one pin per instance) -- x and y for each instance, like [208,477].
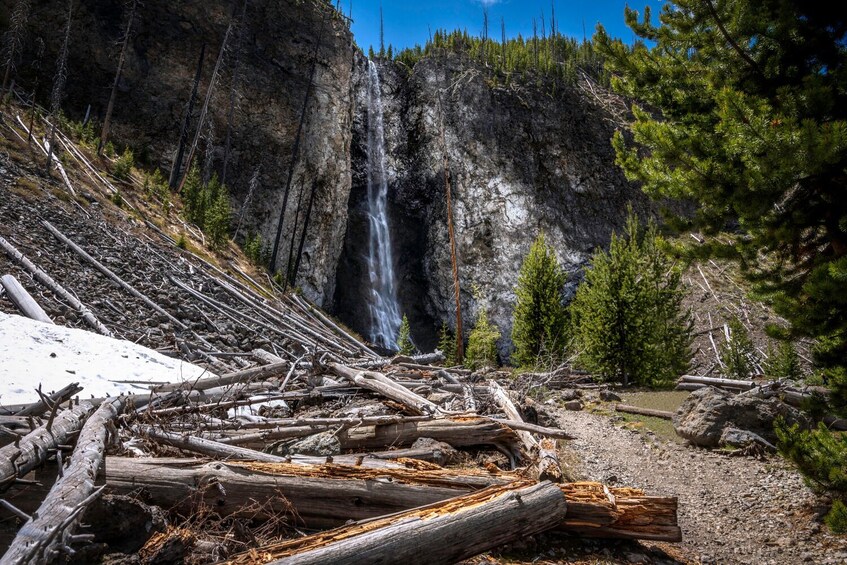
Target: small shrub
[404,338]
[836,519]
[738,353]
[109,149]
[123,165]
[254,250]
[482,344]
[821,456]
[447,344]
[783,362]
[182,243]
[117,199]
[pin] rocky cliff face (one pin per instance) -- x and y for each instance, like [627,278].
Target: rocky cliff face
[277,50]
[522,160]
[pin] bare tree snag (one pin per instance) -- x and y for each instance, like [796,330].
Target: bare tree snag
[49,532]
[176,170]
[381,384]
[59,83]
[13,38]
[445,532]
[55,287]
[454,262]
[107,121]
[22,300]
[115,278]
[40,444]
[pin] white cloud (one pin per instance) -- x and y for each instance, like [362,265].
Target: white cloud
[488,2]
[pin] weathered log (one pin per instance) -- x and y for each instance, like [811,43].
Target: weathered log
[546,462]
[111,275]
[60,396]
[216,449]
[22,300]
[329,495]
[55,287]
[730,383]
[663,414]
[446,532]
[47,534]
[381,384]
[236,377]
[40,444]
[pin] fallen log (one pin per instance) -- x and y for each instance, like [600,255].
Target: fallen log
[54,287]
[628,409]
[40,444]
[22,300]
[714,381]
[381,384]
[228,379]
[329,495]
[545,461]
[49,532]
[60,396]
[218,450]
[447,532]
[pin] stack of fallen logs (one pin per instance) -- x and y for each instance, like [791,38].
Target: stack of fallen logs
[422,460]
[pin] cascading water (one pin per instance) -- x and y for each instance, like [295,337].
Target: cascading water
[383,306]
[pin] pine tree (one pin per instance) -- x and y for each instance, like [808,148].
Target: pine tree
[628,320]
[194,198]
[447,345]
[482,343]
[218,215]
[738,351]
[783,362]
[540,320]
[743,112]
[404,338]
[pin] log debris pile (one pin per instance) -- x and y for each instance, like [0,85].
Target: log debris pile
[302,445]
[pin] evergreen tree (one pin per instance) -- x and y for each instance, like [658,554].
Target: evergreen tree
[540,319]
[219,214]
[447,345]
[404,338]
[482,343]
[628,321]
[744,112]
[783,362]
[194,198]
[738,351]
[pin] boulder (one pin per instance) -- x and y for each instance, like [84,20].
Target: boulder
[322,445]
[609,396]
[573,405]
[733,437]
[704,416]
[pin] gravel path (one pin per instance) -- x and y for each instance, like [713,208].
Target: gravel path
[731,509]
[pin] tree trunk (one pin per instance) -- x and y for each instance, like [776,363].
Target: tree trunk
[107,121]
[49,532]
[447,532]
[22,300]
[237,377]
[38,408]
[40,444]
[381,384]
[183,133]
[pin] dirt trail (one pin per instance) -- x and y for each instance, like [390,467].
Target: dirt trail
[731,509]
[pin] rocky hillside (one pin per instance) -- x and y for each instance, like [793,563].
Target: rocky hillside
[523,157]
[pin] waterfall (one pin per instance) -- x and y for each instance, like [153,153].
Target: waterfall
[383,306]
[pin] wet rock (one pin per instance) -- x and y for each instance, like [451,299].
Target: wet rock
[570,394]
[707,412]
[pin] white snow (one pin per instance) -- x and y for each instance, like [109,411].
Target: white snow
[34,352]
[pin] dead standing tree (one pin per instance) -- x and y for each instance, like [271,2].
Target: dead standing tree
[233,87]
[107,121]
[12,39]
[59,84]
[186,122]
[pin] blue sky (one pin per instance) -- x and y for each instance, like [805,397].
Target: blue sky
[407,23]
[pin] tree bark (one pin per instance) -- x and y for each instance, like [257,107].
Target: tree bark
[40,444]
[183,134]
[107,121]
[22,300]
[447,532]
[38,408]
[381,384]
[228,379]
[48,533]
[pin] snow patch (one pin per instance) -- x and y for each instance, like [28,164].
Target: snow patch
[33,353]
